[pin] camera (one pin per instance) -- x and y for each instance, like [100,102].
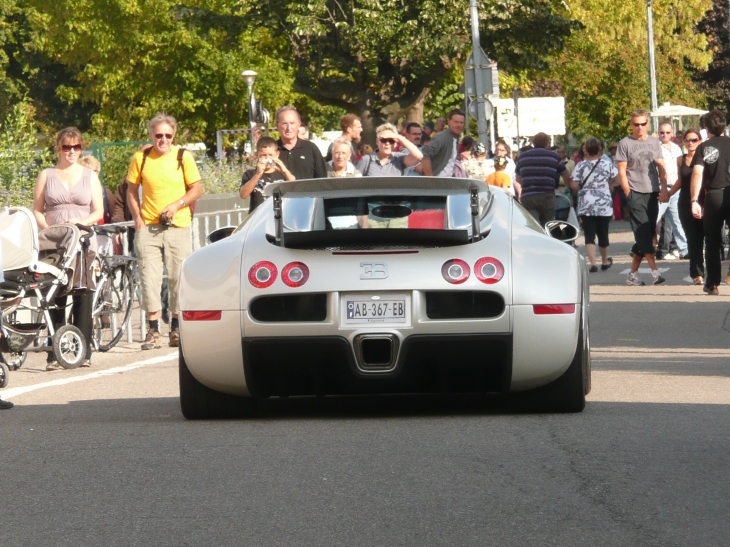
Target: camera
[165,220]
[270,163]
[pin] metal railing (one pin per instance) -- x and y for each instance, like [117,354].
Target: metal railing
[203,224]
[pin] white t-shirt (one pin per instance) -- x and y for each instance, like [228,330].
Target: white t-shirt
[449,169]
[670,162]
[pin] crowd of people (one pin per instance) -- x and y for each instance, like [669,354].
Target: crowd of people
[675,178]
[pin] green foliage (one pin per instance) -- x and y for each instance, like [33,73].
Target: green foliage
[21,157]
[604,68]
[220,178]
[115,162]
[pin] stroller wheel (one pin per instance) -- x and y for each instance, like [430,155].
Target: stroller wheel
[13,359]
[69,346]
[4,375]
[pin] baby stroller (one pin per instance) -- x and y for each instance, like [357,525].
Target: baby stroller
[37,268]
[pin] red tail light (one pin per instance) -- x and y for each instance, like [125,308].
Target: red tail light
[455,271]
[553,309]
[295,274]
[206,315]
[488,270]
[262,274]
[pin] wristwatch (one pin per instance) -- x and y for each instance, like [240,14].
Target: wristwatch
[182,203]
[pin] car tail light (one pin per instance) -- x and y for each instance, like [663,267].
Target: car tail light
[488,270]
[207,315]
[455,271]
[262,274]
[553,309]
[295,274]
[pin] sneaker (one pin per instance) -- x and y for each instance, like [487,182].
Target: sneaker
[668,256]
[658,279]
[675,253]
[711,291]
[153,340]
[633,279]
[685,256]
[53,365]
[5,405]
[174,338]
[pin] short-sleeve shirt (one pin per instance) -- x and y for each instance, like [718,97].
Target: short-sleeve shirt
[256,197]
[304,161]
[164,182]
[671,155]
[714,156]
[538,168]
[594,196]
[500,179]
[370,165]
[641,166]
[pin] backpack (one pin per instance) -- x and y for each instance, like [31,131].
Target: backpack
[180,153]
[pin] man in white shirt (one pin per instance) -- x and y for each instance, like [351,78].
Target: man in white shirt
[668,211]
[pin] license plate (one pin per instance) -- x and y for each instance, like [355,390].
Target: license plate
[375,311]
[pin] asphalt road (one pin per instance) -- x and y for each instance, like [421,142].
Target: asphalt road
[102,456]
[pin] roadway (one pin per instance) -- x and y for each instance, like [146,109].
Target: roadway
[102,456]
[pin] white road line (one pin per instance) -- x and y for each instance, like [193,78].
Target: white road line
[14,392]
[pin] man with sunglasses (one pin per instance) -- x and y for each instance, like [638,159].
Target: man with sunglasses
[669,222]
[170,183]
[643,177]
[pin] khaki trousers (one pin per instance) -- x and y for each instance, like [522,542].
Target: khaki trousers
[157,246]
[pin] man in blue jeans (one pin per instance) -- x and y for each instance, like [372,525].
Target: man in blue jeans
[669,211]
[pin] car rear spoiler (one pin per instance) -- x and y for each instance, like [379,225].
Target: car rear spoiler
[454,188]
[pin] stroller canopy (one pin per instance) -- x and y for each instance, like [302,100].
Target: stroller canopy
[19,235]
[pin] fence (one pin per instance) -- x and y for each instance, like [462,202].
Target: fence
[203,224]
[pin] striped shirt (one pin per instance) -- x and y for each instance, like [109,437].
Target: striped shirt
[539,168]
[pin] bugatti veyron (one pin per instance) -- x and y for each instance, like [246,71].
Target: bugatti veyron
[384,286]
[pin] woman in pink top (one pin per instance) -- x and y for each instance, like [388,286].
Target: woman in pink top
[69,193]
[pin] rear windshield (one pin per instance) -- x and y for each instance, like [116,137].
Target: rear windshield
[393,212]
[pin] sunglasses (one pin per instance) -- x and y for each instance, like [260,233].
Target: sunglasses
[665,132]
[159,136]
[388,141]
[640,124]
[69,147]
[691,140]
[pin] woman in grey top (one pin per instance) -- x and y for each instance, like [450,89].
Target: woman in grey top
[69,193]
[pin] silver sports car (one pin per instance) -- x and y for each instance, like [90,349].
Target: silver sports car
[384,285]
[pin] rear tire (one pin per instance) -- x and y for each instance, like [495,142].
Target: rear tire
[199,402]
[567,393]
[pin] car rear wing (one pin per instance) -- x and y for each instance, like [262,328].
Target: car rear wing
[400,211]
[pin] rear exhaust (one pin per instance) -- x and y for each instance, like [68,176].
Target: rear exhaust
[376,352]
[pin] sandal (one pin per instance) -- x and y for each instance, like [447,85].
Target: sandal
[605,267]
[698,280]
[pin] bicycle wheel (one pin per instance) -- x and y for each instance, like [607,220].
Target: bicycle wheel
[112,309]
[14,359]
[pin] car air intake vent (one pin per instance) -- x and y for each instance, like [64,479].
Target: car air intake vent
[290,308]
[463,305]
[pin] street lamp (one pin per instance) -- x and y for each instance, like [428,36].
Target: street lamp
[249,78]
[652,63]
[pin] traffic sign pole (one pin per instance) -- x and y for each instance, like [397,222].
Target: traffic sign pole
[479,61]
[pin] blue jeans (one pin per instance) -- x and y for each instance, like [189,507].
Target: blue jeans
[673,218]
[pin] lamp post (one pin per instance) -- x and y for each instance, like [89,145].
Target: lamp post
[249,78]
[652,62]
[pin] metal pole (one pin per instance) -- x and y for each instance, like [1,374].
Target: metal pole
[478,80]
[652,62]
[515,98]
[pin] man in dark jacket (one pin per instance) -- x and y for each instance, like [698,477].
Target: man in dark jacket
[440,155]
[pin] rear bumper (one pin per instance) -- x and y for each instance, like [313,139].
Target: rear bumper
[327,365]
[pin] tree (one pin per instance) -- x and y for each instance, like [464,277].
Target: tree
[380,58]
[715,81]
[604,70]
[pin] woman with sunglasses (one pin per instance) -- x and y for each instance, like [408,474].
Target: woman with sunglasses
[385,162]
[69,193]
[693,228]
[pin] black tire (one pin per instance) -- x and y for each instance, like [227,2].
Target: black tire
[69,346]
[13,359]
[4,375]
[199,402]
[112,309]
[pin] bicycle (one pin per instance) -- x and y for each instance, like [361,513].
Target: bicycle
[115,288]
